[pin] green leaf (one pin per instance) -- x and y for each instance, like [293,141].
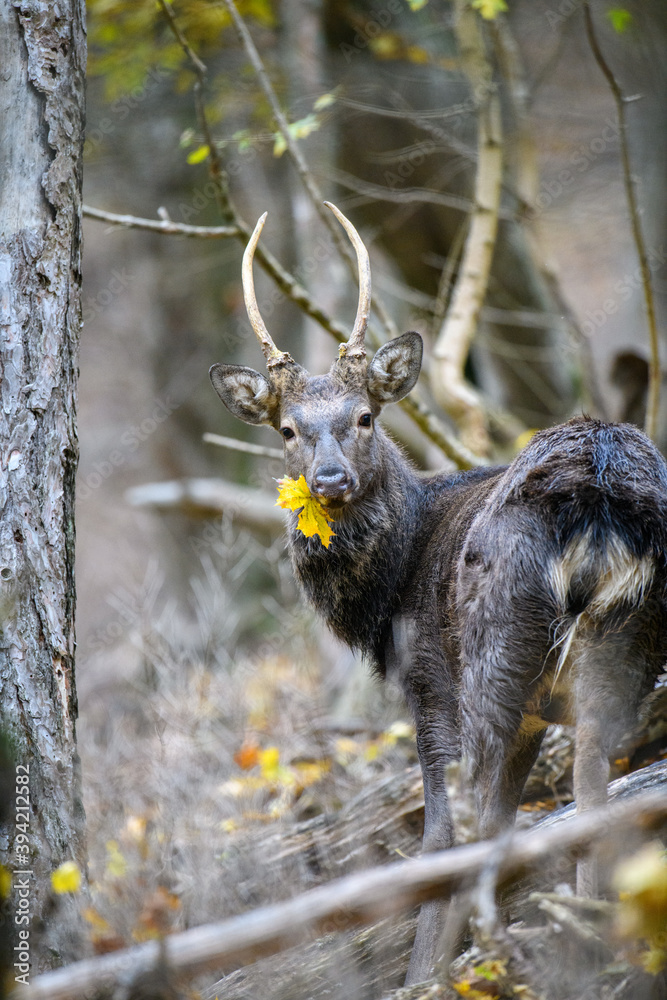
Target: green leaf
[298,130]
[416,4]
[244,139]
[325,101]
[198,155]
[620,18]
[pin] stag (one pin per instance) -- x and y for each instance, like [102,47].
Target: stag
[504,600]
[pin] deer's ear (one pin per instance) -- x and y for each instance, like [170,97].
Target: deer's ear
[395,368]
[247,394]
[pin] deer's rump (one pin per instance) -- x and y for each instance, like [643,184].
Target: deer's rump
[561,584]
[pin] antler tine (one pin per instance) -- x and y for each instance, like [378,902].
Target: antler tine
[270,351]
[355,345]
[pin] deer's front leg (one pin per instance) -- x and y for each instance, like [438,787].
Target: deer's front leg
[438,835]
[429,691]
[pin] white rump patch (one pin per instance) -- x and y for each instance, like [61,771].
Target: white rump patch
[620,578]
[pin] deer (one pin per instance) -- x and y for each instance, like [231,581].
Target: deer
[503,599]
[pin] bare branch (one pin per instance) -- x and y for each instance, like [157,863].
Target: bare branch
[451,390]
[438,433]
[207,497]
[355,899]
[166,226]
[653,401]
[200,68]
[233,444]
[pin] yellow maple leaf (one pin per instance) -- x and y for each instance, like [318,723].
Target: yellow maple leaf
[66,878]
[314,518]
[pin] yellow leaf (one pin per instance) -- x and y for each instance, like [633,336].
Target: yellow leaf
[97,922]
[198,155]
[310,772]
[313,519]
[269,761]
[654,960]
[5,882]
[325,101]
[116,863]
[491,970]
[489,9]
[292,493]
[66,878]
[641,881]
[347,747]
[522,440]
[135,828]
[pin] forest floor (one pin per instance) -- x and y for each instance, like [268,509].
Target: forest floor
[211,792]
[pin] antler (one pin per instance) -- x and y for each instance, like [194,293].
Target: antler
[270,351]
[355,345]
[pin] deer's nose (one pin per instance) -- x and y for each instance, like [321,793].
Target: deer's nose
[330,481]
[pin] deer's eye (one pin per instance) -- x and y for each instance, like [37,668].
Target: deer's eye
[365,420]
[287,433]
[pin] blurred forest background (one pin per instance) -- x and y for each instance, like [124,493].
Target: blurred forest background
[211,702]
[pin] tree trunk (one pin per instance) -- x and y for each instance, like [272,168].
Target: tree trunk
[42,54]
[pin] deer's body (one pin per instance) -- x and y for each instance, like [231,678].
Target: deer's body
[503,599]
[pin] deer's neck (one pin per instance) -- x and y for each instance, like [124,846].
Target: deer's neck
[356,582]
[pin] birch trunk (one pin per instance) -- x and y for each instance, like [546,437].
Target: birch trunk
[42,54]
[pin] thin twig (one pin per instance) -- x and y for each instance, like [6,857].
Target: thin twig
[297,157]
[653,401]
[354,899]
[410,196]
[215,168]
[167,227]
[443,294]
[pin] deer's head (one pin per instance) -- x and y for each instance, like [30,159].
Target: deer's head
[327,422]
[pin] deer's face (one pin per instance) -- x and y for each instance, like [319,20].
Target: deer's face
[327,422]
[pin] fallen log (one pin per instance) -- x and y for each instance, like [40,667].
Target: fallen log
[361,898]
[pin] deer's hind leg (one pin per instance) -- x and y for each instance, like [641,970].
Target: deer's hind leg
[613,670]
[506,613]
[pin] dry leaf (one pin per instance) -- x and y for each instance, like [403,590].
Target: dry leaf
[247,756]
[294,494]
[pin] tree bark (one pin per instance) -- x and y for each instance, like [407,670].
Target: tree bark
[42,54]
